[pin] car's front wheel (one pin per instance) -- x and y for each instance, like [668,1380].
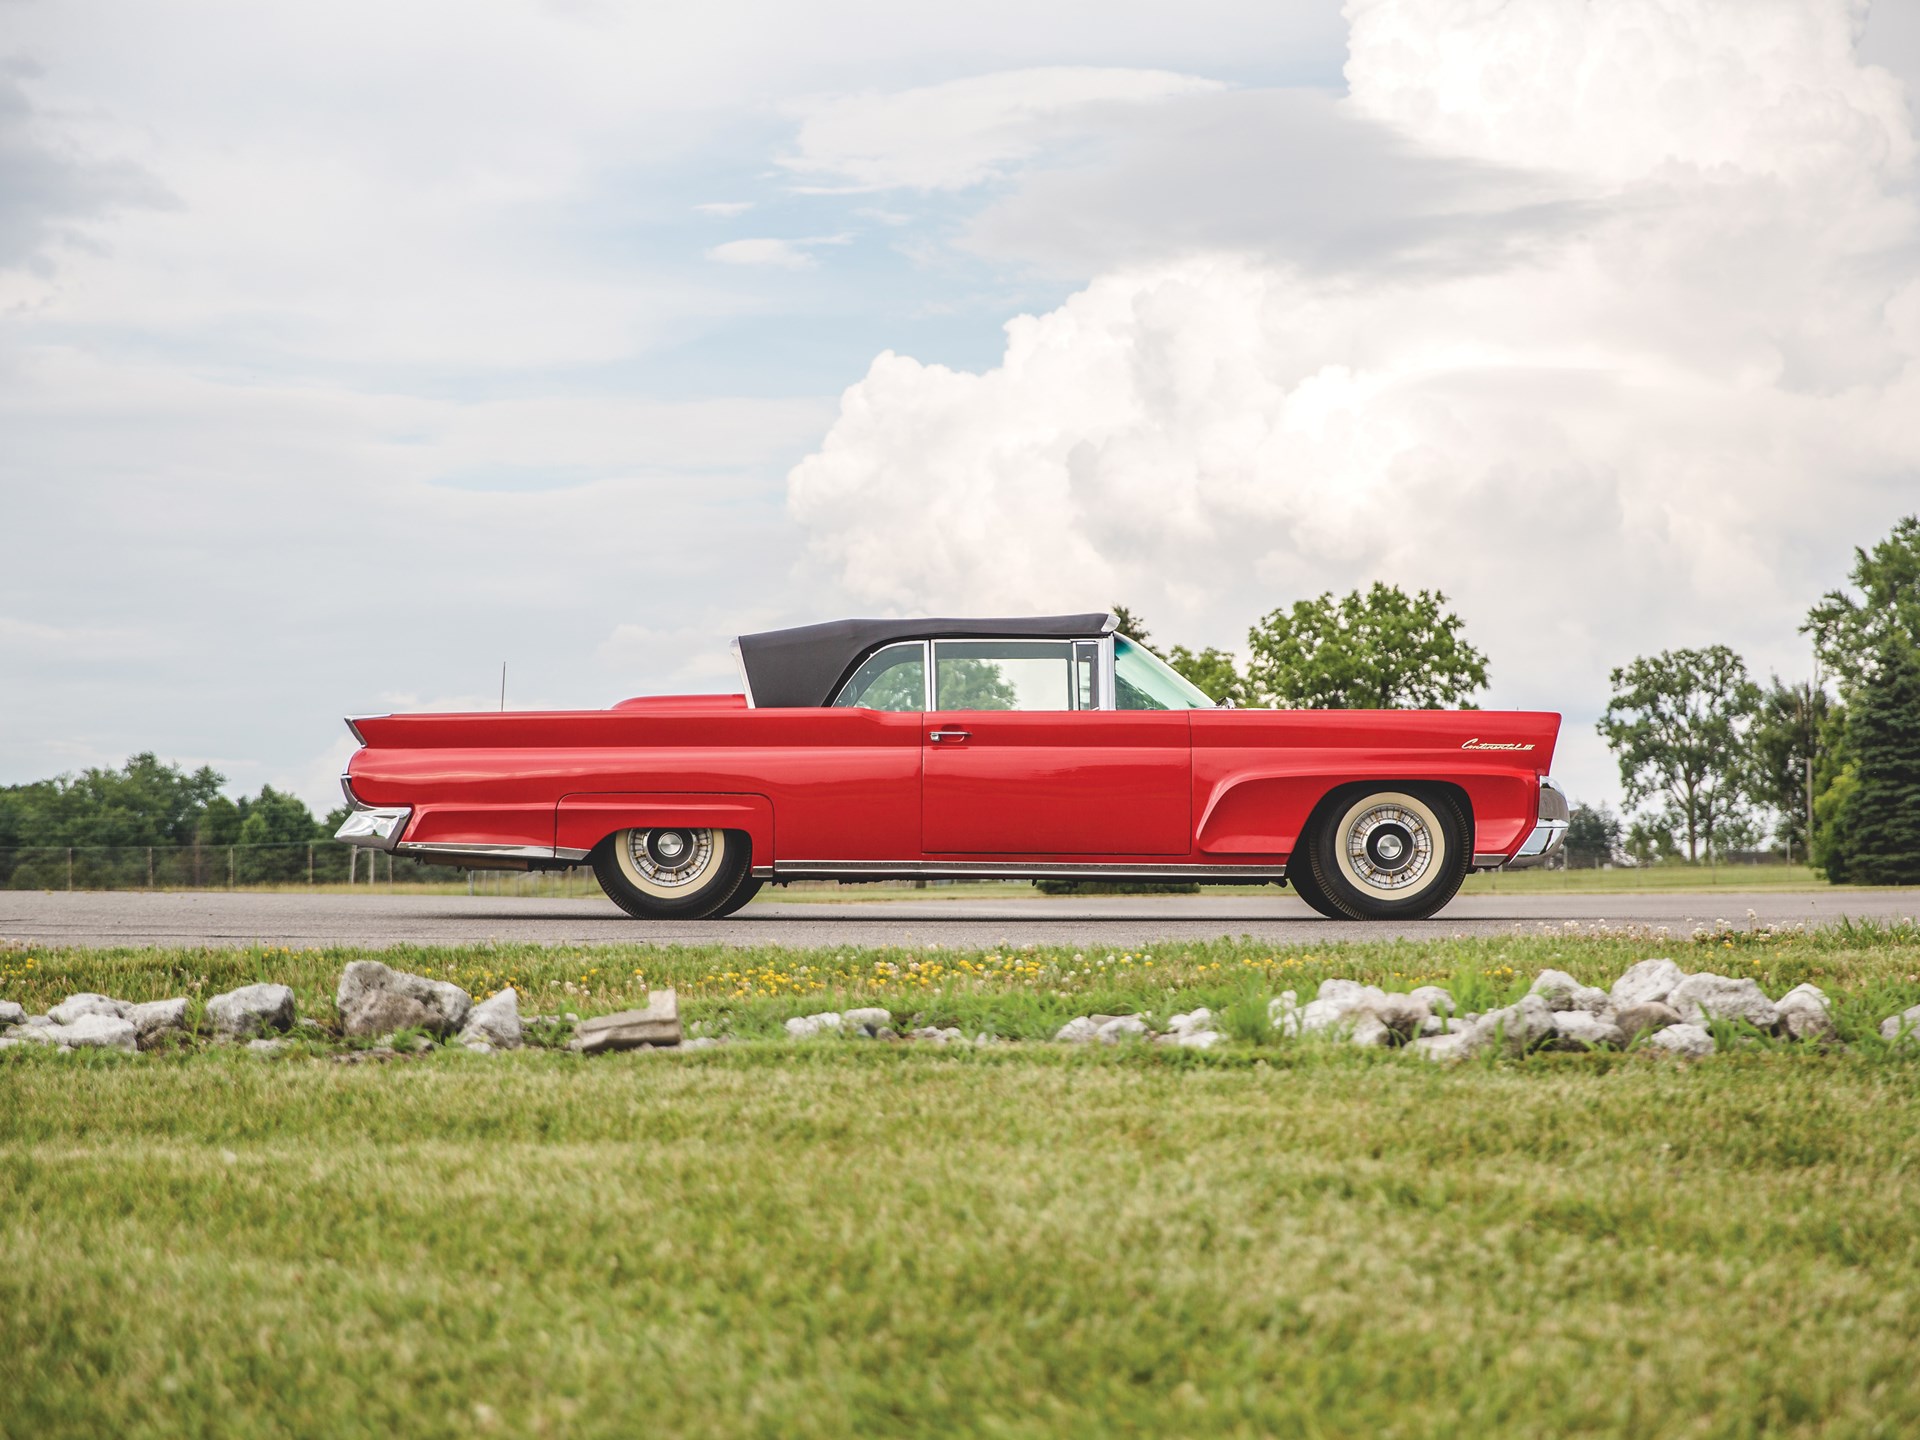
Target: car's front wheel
[673,873]
[1391,853]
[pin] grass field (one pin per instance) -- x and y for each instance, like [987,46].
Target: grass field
[837,1237]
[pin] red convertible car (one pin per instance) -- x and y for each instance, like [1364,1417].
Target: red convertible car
[1003,749]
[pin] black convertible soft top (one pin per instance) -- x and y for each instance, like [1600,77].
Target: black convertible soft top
[802,668]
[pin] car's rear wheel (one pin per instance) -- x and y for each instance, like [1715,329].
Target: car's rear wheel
[1391,853]
[1300,877]
[677,873]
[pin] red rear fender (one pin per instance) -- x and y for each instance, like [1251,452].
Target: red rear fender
[585,820]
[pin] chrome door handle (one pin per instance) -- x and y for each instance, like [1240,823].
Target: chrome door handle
[939,735]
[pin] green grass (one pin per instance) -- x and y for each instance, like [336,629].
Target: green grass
[834,1238]
[1670,878]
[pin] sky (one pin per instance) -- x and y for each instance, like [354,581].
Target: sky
[348,352]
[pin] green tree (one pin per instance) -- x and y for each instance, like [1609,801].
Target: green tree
[1384,650]
[1883,813]
[1849,633]
[1593,837]
[1213,671]
[1787,738]
[274,837]
[1650,838]
[969,683]
[1677,724]
[1132,624]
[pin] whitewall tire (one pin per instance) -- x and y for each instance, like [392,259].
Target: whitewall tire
[1392,853]
[674,873]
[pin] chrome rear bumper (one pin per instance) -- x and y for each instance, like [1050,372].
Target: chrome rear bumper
[1549,834]
[376,829]
[372,826]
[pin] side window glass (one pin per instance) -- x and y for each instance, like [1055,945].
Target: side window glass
[1143,681]
[893,678]
[1086,674]
[1003,675]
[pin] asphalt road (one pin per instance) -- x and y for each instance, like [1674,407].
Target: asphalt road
[214,918]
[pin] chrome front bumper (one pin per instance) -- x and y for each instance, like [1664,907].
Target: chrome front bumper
[1548,838]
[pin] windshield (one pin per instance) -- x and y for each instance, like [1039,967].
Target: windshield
[1146,682]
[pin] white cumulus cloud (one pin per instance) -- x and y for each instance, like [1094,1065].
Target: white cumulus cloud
[1663,421]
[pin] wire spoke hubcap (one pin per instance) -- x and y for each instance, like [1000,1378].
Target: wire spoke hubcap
[1389,847]
[671,858]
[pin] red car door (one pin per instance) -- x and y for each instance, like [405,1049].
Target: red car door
[1020,778]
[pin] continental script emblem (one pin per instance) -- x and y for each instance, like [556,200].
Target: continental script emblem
[1478,744]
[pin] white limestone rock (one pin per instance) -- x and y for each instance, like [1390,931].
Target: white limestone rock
[1646,982]
[1113,1029]
[1193,1020]
[1561,991]
[252,1010]
[1582,1030]
[806,1027]
[494,1022]
[1371,1032]
[1199,1039]
[75,1007]
[100,1032]
[1403,1015]
[154,1020]
[1078,1031]
[12,1012]
[1457,1045]
[1805,1013]
[1722,997]
[867,1022]
[934,1035]
[1437,1000]
[1903,1028]
[1517,1028]
[1651,1015]
[1690,1040]
[376,1000]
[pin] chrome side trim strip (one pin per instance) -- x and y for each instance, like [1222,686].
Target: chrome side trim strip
[1016,870]
[761,872]
[746,680]
[353,724]
[501,852]
[1492,860]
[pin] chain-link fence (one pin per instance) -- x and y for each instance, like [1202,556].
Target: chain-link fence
[218,867]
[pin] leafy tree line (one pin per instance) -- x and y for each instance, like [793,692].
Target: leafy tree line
[111,819]
[1711,761]
[1381,649]
[1714,754]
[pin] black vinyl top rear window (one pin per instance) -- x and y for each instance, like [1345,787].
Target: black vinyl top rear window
[803,668]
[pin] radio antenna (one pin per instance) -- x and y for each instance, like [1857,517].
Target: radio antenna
[503,685]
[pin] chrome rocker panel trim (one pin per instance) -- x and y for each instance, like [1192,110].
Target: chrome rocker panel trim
[475,855]
[1007,870]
